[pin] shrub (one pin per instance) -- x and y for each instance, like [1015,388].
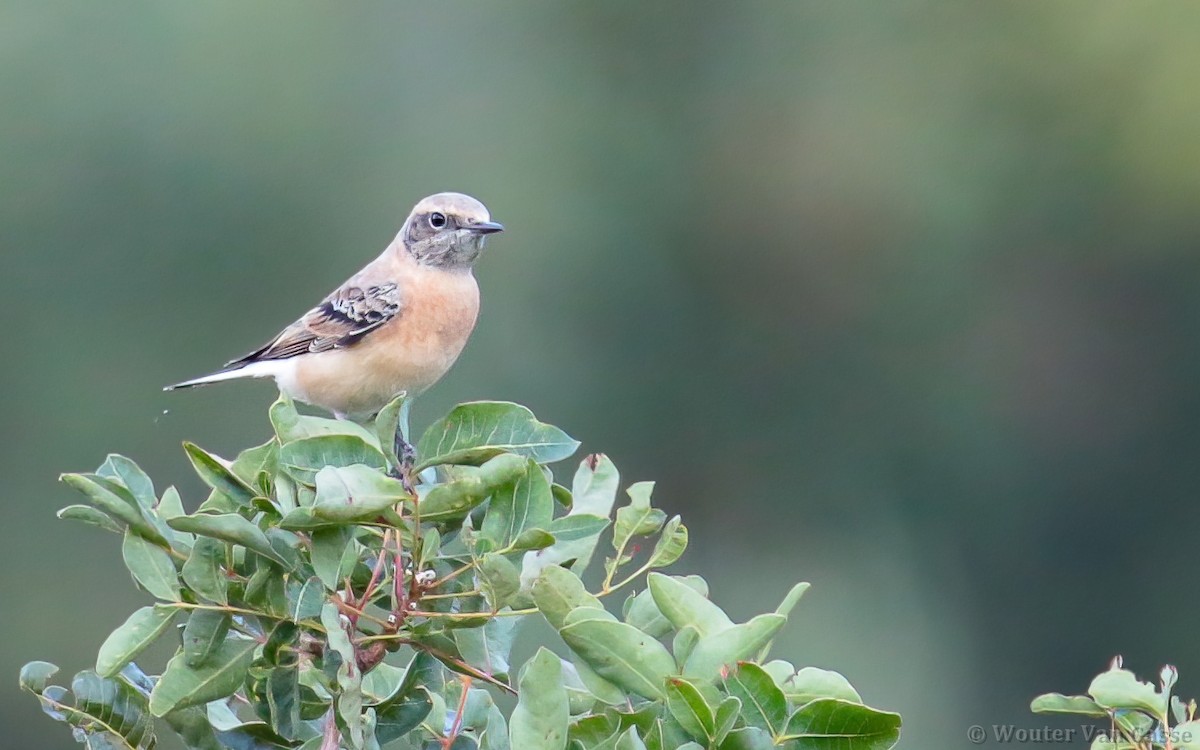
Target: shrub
[1136,715]
[318,604]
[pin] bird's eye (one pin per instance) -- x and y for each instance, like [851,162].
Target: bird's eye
[437,220]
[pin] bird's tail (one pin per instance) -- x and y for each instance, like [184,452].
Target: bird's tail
[250,370]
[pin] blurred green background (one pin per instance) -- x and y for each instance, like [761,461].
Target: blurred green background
[898,298]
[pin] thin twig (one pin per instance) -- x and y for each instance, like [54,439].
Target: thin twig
[380,564]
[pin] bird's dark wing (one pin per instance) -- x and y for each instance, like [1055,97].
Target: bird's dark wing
[342,319]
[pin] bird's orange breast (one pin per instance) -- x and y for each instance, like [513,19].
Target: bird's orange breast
[409,353]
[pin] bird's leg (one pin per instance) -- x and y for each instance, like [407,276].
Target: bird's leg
[405,453]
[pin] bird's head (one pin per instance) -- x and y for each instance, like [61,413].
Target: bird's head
[447,230]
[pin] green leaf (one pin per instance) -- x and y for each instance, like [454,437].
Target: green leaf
[764,704]
[602,689]
[290,425]
[355,493]
[123,645]
[575,538]
[723,648]
[1186,735]
[689,708]
[203,635]
[670,545]
[532,540]
[382,684]
[453,500]
[252,463]
[218,502]
[748,738]
[171,505]
[638,518]
[108,714]
[488,648]
[785,607]
[832,723]
[286,545]
[181,686]
[36,674]
[308,601]
[411,702]
[683,605]
[577,527]
[630,740]
[191,724]
[203,571]
[579,699]
[470,487]
[498,579]
[349,703]
[302,459]
[400,717]
[517,506]
[726,718]
[129,474]
[558,591]
[594,489]
[474,432]
[333,555]
[119,706]
[588,613]
[228,527]
[593,731]
[1179,709]
[781,671]
[539,722]
[811,683]
[642,613]
[562,495]
[215,474]
[115,500]
[240,734]
[792,597]
[621,654]
[1057,703]
[267,591]
[151,566]
[683,643]
[283,701]
[1119,688]
[281,645]
[89,515]
[385,426]
[494,735]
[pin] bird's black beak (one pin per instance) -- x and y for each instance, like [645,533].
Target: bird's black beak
[485,227]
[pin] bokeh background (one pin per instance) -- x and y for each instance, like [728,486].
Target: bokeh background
[902,299]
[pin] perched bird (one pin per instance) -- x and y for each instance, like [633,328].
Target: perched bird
[394,327]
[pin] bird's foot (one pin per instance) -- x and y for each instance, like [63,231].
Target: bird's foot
[407,455]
